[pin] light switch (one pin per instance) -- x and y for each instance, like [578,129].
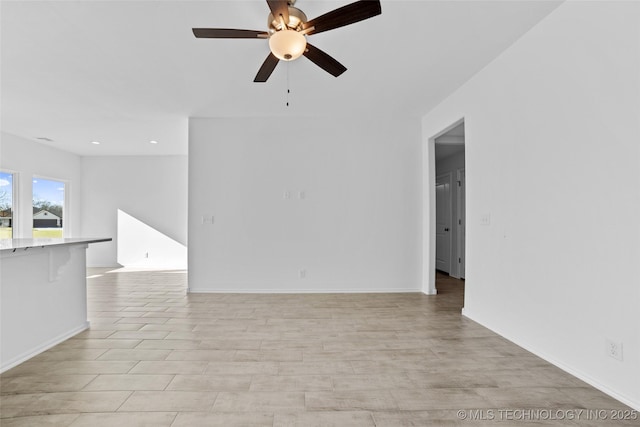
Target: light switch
[207,219]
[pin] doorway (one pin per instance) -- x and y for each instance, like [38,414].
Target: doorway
[450,201]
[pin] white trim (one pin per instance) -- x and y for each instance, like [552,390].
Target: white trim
[451,140]
[567,368]
[429,218]
[42,347]
[67,217]
[15,182]
[231,290]
[460,222]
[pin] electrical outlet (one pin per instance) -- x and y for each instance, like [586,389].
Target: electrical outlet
[286,195]
[614,349]
[302,273]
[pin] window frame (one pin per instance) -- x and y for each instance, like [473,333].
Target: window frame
[15,202]
[65,207]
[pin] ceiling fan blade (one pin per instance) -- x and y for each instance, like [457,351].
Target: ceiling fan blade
[267,68]
[346,15]
[324,61]
[228,33]
[279,7]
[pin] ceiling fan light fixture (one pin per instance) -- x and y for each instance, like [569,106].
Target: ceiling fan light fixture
[288,31]
[287,45]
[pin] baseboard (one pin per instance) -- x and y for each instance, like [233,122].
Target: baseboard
[102,265]
[5,366]
[568,369]
[302,291]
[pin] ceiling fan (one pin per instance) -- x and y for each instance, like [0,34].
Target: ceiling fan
[288,28]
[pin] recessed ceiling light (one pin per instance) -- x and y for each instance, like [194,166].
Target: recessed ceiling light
[95,142]
[153,142]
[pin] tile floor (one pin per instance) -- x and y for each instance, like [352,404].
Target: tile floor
[155,356]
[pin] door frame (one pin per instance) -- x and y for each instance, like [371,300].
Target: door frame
[461,222]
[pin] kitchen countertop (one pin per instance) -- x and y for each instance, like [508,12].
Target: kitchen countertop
[15,244]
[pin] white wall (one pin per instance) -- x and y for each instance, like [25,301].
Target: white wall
[357,227]
[553,154]
[151,193]
[29,159]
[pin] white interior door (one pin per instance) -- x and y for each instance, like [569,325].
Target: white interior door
[443,222]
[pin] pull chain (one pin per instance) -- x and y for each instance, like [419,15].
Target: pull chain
[288,91]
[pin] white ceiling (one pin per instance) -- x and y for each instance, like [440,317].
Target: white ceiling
[127,72]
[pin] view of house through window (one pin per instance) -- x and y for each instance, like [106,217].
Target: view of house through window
[6,205]
[48,207]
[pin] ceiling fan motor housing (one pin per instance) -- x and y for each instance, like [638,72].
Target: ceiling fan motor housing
[296,19]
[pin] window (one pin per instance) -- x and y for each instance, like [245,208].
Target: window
[6,205]
[48,208]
